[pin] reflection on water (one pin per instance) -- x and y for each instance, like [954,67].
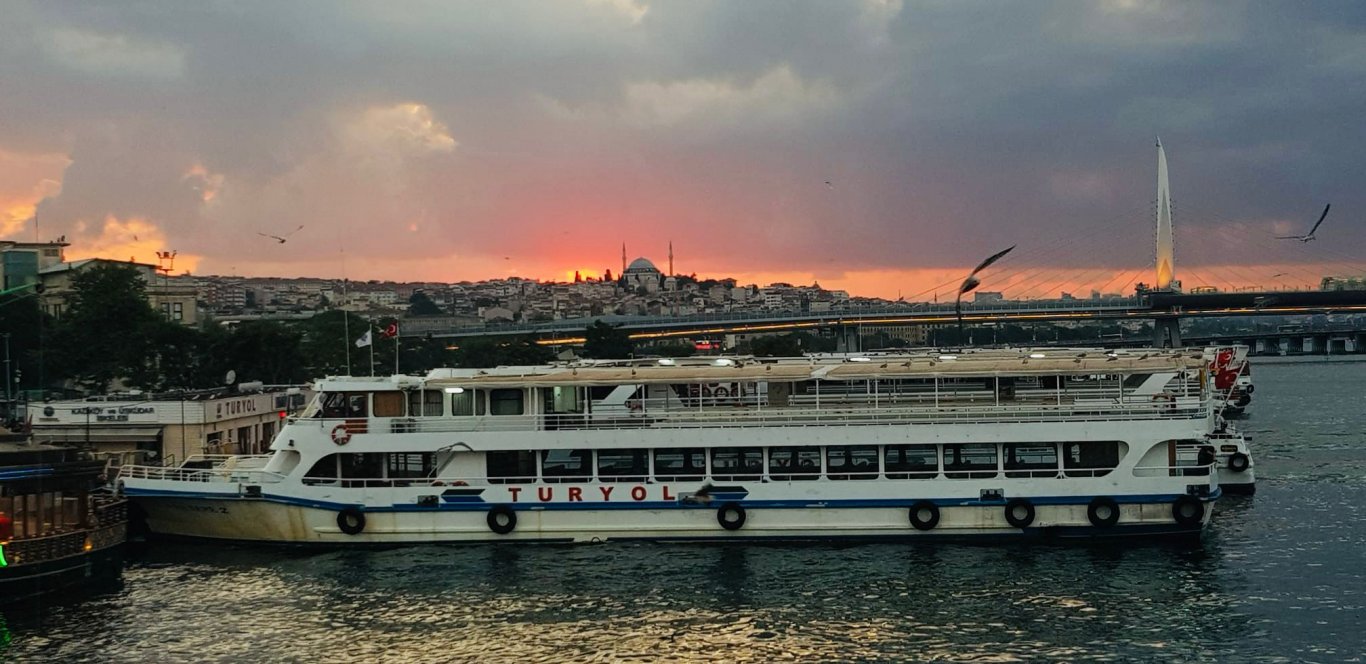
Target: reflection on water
[1276,579]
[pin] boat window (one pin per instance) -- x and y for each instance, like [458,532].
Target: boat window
[1091,458]
[737,463]
[972,460]
[505,402]
[562,399]
[345,404]
[411,465]
[388,404]
[623,465]
[851,462]
[1031,460]
[324,470]
[462,402]
[515,467]
[424,403]
[686,463]
[567,465]
[362,469]
[911,461]
[794,463]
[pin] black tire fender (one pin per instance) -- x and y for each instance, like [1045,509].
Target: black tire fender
[1238,462]
[1103,512]
[1019,512]
[924,515]
[731,516]
[502,519]
[1188,510]
[351,521]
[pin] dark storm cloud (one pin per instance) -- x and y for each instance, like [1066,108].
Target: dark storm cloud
[551,130]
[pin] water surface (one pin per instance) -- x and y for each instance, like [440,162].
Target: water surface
[1278,578]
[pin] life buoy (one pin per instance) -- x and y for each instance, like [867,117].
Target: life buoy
[706,392]
[731,516]
[1188,511]
[502,519]
[924,515]
[1103,512]
[1238,462]
[721,392]
[351,521]
[341,435]
[1019,513]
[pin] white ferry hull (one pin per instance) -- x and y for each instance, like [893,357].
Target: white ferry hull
[272,521]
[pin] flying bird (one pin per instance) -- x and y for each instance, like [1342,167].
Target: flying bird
[280,238]
[1308,237]
[829,184]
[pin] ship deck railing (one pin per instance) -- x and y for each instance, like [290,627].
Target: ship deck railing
[650,415]
[737,474]
[216,474]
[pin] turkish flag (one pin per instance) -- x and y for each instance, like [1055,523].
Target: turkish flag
[390,331]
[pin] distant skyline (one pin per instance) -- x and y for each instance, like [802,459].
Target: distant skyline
[876,146]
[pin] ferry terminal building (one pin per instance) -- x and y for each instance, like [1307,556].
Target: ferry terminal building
[163,428]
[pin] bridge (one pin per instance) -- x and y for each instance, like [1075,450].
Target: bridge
[1164,304]
[1155,306]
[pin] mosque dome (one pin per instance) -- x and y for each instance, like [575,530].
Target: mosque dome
[641,265]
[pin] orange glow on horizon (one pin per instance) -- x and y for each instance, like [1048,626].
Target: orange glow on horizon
[133,239]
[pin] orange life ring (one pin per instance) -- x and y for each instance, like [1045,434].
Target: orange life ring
[340,434]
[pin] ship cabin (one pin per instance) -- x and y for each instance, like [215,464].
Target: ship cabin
[596,403]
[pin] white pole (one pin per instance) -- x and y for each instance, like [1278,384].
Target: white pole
[369,329]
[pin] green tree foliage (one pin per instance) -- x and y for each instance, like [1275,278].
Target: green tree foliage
[329,339]
[605,341]
[268,351]
[421,305]
[107,330]
[23,321]
[790,345]
[674,349]
[484,352]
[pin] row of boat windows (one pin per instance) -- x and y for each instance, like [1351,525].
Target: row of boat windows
[40,514]
[844,462]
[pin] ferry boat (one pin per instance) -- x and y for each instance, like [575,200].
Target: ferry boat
[1230,375]
[57,528]
[1001,443]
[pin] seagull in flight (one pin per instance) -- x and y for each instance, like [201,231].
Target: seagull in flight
[1308,237]
[280,238]
[829,184]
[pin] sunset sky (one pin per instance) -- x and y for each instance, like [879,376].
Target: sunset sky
[874,145]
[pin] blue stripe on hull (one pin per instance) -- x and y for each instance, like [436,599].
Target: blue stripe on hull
[656,504]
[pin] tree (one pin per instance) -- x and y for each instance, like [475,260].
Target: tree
[421,305]
[108,328]
[606,341]
[674,349]
[24,322]
[329,338]
[485,352]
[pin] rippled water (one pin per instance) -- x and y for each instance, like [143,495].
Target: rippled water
[1279,577]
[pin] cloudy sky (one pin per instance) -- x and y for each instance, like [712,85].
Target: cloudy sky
[436,140]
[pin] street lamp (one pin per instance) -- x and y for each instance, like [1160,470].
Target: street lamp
[973,282]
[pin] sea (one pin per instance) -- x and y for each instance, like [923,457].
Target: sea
[1278,577]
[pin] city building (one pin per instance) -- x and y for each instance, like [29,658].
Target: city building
[20,262]
[176,297]
[166,427]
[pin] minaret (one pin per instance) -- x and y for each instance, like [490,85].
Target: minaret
[671,258]
[623,258]
[1166,260]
